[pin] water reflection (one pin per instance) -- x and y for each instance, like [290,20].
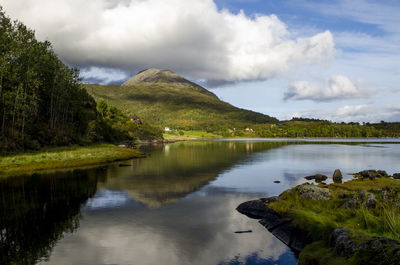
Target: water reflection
[179,169]
[176,206]
[36,211]
[195,230]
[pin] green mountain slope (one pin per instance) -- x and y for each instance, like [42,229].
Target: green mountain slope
[164,98]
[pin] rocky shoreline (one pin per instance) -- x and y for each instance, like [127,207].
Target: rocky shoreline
[280,227]
[371,193]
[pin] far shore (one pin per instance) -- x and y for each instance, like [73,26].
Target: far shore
[171,137]
[64,158]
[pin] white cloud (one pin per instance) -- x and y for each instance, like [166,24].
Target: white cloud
[355,113]
[191,37]
[338,87]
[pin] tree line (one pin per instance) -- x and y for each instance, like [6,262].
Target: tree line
[42,102]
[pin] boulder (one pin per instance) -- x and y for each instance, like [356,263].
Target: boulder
[256,209]
[337,176]
[350,204]
[372,174]
[317,177]
[387,195]
[310,177]
[370,202]
[280,227]
[341,240]
[312,192]
[369,250]
[382,173]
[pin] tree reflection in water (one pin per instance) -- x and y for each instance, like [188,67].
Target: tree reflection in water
[35,212]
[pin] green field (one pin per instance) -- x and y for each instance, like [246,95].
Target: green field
[190,135]
[63,158]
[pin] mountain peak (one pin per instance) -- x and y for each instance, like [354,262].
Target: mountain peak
[154,75]
[157,76]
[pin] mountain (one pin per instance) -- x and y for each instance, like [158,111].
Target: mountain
[164,98]
[153,75]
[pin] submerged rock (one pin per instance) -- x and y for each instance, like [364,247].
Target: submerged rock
[337,176]
[312,192]
[317,177]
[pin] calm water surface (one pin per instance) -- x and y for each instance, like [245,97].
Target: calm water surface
[176,206]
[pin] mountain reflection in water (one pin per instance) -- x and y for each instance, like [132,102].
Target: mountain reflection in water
[176,206]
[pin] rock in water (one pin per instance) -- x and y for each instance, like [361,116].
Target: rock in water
[256,209]
[337,176]
[319,178]
[312,192]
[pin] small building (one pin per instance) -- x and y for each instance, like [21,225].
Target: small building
[135,119]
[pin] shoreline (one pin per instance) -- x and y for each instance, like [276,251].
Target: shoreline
[356,222]
[64,158]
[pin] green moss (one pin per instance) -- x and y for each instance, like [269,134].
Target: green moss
[320,253]
[321,217]
[66,157]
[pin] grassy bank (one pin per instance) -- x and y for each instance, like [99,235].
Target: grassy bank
[190,135]
[320,217]
[65,157]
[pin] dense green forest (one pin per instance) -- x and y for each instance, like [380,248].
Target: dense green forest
[298,128]
[42,102]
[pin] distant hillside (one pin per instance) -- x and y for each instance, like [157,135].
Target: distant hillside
[164,98]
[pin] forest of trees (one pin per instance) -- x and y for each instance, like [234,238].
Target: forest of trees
[42,102]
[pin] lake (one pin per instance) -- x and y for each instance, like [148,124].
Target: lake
[177,206]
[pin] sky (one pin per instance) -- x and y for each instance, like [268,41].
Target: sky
[337,60]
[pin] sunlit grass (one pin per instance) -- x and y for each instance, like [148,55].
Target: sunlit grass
[320,218]
[190,135]
[65,157]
